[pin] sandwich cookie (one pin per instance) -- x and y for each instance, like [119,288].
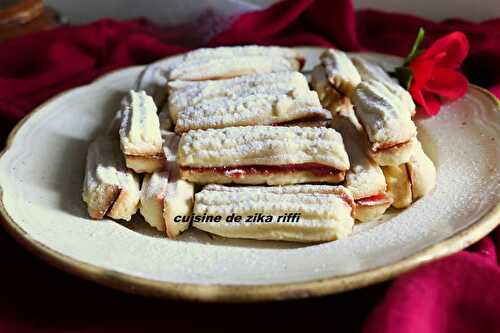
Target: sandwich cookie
[262,155]
[320,212]
[109,188]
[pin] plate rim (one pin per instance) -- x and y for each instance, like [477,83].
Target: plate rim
[238,293]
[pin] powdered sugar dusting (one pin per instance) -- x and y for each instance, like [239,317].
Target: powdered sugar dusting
[262,145]
[41,191]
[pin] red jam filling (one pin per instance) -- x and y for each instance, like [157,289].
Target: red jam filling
[316,169]
[300,120]
[390,146]
[370,200]
[387,145]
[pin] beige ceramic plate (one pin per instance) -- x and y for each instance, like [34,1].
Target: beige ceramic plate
[41,173]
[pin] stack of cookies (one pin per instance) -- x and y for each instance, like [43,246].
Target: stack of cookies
[242,128]
[374,115]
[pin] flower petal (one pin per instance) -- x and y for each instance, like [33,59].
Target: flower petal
[422,71]
[428,103]
[446,83]
[451,49]
[432,104]
[416,93]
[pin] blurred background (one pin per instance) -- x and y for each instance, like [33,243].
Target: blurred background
[19,17]
[180,11]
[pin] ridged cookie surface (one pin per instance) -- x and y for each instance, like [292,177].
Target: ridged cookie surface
[364,178]
[265,99]
[371,71]
[227,62]
[140,126]
[383,115]
[262,145]
[325,212]
[247,50]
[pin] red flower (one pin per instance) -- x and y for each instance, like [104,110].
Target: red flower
[435,77]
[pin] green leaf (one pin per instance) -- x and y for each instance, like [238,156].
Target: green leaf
[404,73]
[404,76]
[415,50]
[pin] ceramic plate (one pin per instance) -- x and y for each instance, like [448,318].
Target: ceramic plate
[41,173]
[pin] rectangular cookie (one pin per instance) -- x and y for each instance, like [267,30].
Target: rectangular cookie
[227,62]
[412,180]
[390,130]
[422,173]
[152,163]
[365,179]
[325,212]
[164,196]
[262,155]
[246,50]
[329,96]
[140,136]
[398,185]
[264,99]
[109,188]
[372,71]
[340,71]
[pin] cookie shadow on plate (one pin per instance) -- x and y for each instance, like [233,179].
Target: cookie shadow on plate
[69,170]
